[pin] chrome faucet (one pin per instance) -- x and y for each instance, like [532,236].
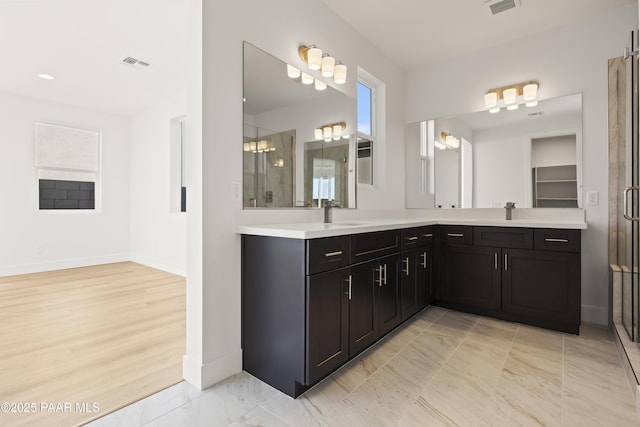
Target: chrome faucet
[328,205]
[509,207]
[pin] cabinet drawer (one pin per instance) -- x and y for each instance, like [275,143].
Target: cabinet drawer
[327,253]
[548,239]
[372,245]
[417,236]
[504,237]
[457,234]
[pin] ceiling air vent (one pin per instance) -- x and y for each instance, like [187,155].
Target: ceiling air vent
[498,6]
[135,63]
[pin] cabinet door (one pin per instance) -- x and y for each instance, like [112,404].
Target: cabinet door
[363,308]
[424,277]
[542,287]
[471,277]
[409,283]
[327,338]
[389,307]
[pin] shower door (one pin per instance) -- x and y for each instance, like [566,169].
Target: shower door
[629,186]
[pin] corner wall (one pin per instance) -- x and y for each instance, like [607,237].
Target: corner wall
[213,270]
[565,61]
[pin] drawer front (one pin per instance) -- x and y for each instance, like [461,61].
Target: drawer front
[456,234]
[551,239]
[327,253]
[503,237]
[373,245]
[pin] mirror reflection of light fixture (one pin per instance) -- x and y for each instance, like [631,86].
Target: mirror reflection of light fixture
[333,131]
[292,72]
[320,85]
[512,96]
[307,79]
[279,163]
[447,141]
[261,146]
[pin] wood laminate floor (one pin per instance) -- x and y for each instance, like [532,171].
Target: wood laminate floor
[79,343]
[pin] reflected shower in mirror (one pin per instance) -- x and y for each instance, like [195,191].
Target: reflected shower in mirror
[530,156]
[298,142]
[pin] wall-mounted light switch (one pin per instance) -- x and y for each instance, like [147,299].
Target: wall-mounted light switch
[235,190]
[593,198]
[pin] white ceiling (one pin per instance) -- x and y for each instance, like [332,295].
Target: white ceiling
[81,43]
[419,32]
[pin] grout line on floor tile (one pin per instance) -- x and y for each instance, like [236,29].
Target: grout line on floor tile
[504,362]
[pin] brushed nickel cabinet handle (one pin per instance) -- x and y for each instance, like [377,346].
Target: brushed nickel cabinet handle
[349,282]
[506,262]
[330,254]
[428,235]
[424,259]
[625,197]
[455,234]
[495,260]
[552,240]
[412,238]
[385,273]
[406,269]
[379,270]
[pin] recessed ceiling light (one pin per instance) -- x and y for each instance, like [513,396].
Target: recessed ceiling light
[45,76]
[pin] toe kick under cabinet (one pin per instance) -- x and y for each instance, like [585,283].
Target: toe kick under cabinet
[524,275]
[308,306]
[311,305]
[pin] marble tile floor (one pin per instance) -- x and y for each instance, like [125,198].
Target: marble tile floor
[442,368]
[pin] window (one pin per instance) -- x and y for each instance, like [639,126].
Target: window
[67,167]
[178,189]
[366,132]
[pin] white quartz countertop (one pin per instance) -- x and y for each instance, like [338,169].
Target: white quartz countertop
[314,230]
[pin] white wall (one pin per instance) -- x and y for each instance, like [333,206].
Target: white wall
[158,235]
[213,270]
[31,240]
[566,61]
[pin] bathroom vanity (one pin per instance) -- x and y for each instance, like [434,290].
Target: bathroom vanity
[316,295]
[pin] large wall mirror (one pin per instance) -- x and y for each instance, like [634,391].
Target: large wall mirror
[287,162]
[531,156]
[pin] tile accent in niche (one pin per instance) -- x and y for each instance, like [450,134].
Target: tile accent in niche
[58,194]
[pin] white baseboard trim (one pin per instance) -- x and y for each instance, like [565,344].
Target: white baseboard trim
[39,267]
[180,270]
[595,314]
[203,376]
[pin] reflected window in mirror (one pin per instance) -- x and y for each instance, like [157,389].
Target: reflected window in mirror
[366,132]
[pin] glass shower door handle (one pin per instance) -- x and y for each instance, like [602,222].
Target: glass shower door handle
[625,196]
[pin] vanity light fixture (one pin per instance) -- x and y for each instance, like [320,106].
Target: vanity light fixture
[333,131]
[512,96]
[439,145]
[327,64]
[312,55]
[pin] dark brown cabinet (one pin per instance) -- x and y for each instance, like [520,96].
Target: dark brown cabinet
[517,274]
[327,332]
[416,278]
[309,306]
[470,278]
